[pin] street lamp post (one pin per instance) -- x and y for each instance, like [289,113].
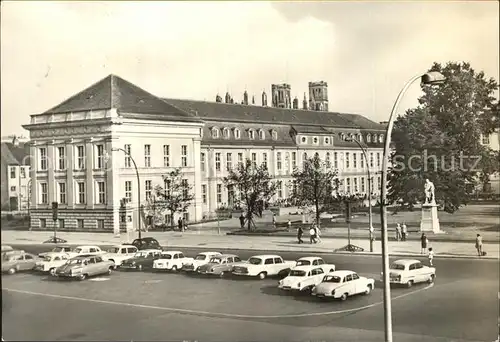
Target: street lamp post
[28,195]
[138,187]
[430,78]
[370,222]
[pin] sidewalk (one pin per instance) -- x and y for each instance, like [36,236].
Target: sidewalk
[213,241]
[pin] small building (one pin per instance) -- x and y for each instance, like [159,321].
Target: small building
[15,174]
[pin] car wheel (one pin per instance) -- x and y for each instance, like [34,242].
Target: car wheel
[174,268]
[12,270]
[139,267]
[52,271]
[222,274]
[409,283]
[431,278]
[343,297]
[110,269]
[368,289]
[82,277]
[262,275]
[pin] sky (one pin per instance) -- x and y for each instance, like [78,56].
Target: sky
[366,51]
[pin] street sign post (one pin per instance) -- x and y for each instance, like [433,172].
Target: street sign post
[54,217]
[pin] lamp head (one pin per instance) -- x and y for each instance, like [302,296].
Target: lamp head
[433,78]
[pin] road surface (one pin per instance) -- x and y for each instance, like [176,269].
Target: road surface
[462,305]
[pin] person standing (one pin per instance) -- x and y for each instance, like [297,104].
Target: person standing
[423,243]
[312,235]
[179,224]
[289,224]
[479,245]
[300,232]
[242,221]
[431,256]
[274,221]
[398,232]
[404,232]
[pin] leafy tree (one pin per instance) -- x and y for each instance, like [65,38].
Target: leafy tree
[254,184]
[175,196]
[314,185]
[440,139]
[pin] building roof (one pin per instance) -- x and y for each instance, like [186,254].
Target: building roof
[15,155]
[218,111]
[127,98]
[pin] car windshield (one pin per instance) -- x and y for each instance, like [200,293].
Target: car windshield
[397,267]
[140,255]
[332,279]
[47,258]
[58,249]
[113,250]
[255,261]
[78,250]
[166,256]
[216,260]
[303,263]
[200,257]
[297,273]
[75,261]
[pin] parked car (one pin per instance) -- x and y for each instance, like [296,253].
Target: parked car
[86,250]
[120,253]
[84,266]
[409,271]
[56,240]
[146,243]
[171,260]
[199,260]
[57,249]
[302,278]
[220,265]
[316,261]
[141,260]
[51,262]
[342,284]
[263,266]
[16,261]
[6,248]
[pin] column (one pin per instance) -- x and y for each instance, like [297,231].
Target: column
[198,203]
[113,194]
[212,181]
[70,165]
[51,182]
[34,183]
[272,162]
[89,168]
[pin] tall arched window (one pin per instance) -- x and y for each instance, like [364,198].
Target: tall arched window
[215,132]
[368,137]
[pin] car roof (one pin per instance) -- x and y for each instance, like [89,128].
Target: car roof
[124,246]
[209,253]
[149,250]
[56,253]
[264,256]
[342,273]
[146,239]
[172,252]
[88,246]
[406,261]
[310,258]
[227,255]
[305,268]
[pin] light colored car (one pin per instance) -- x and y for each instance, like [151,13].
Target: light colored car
[316,261]
[263,266]
[119,253]
[84,266]
[171,261]
[52,261]
[302,278]
[219,265]
[199,260]
[6,248]
[16,261]
[56,250]
[342,284]
[410,271]
[86,250]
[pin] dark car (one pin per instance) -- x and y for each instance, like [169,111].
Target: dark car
[142,260]
[219,265]
[146,243]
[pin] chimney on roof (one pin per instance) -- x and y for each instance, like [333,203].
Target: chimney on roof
[245,98]
[264,99]
[232,100]
[295,103]
[304,103]
[228,97]
[253,99]
[15,141]
[218,98]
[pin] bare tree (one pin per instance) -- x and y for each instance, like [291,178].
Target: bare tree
[175,196]
[254,184]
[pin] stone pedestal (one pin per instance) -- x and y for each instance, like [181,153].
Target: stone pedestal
[430,220]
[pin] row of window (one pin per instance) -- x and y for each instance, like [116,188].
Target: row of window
[251,133]
[357,159]
[100,157]
[22,172]
[80,223]
[80,193]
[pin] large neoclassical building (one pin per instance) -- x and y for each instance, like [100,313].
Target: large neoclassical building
[77,161]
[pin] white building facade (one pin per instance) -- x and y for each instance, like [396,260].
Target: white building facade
[78,157]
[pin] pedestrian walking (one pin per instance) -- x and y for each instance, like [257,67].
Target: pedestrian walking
[479,245]
[300,232]
[430,254]
[398,232]
[404,232]
[423,243]
[242,221]
[289,224]
[312,235]
[179,224]
[274,221]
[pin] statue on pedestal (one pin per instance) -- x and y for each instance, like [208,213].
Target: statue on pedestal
[429,192]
